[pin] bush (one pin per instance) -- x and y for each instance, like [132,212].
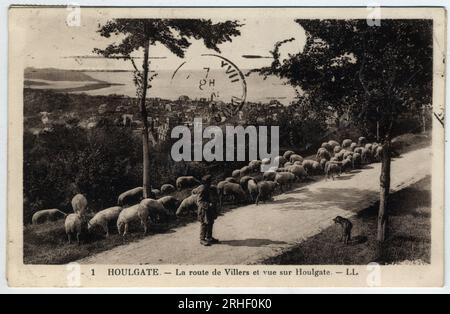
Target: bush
[58,164]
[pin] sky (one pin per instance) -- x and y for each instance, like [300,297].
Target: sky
[50,42]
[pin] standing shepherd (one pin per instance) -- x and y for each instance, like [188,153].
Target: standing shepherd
[207,212]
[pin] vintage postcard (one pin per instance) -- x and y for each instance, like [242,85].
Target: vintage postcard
[226,147]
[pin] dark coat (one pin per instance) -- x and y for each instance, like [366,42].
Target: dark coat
[207,212]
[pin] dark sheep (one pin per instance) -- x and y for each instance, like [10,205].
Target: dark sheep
[170,203]
[332,169]
[231,180]
[234,190]
[130,197]
[287,154]
[323,153]
[167,188]
[265,191]
[186,182]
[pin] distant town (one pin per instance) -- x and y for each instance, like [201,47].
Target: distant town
[164,114]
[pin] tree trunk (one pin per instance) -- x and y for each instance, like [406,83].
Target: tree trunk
[424,123]
[385,184]
[378,131]
[145,145]
[378,123]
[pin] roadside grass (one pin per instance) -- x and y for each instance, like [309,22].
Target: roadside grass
[409,235]
[411,141]
[47,243]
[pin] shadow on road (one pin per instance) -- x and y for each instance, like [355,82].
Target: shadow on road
[251,242]
[324,198]
[284,200]
[343,177]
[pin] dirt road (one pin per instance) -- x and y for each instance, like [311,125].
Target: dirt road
[253,233]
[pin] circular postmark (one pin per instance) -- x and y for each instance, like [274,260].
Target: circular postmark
[215,79]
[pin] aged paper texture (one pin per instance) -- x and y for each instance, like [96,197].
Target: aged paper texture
[138,147]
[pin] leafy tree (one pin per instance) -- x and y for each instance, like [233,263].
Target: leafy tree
[371,73]
[174,34]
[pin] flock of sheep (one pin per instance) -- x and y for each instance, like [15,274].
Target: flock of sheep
[248,184]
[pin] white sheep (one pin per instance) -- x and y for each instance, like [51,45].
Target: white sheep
[316,167]
[298,171]
[269,175]
[378,153]
[327,146]
[332,169]
[244,171]
[366,156]
[280,161]
[347,164]
[140,212]
[152,208]
[220,185]
[243,182]
[340,156]
[335,159]
[79,204]
[311,166]
[236,173]
[74,226]
[104,217]
[188,204]
[323,153]
[295,157]
[347,153]
[285,179]
[252,188]
[346,143]
[254,165]
[362,141]
[323,163]
[333,143]
[265,161]
[126,216]
[356,160]
[373,149]
[47,215]
[337,149]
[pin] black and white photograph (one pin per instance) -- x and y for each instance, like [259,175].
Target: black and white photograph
[256,143]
